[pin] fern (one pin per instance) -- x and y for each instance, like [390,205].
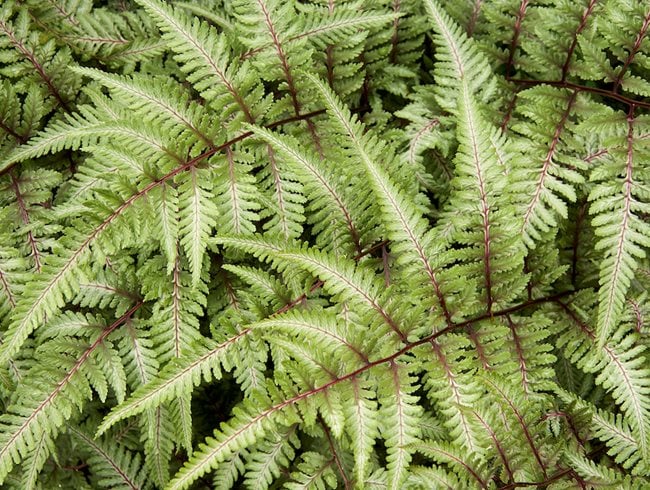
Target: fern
[316,244]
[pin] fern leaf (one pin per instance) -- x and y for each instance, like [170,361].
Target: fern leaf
[327,198]
[166,197]
[45,406]
[72,132]
[10,266]
[466,465]
[622,232]
[283,200]
[175,380]
[197,217]
[541,190]
[460,60]
[405,228]
[266,463]
[363,423]
[314,471]
[477,164]
[399,409]
[204,55]
[242,431]
[158,446]
[237,195]
[621,372]
[600,475]
[160,103]
[340,277]
[35,460]
[322,328]
[59,280]
[112,467]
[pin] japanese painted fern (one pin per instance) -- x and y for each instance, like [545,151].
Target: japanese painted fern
[324,244]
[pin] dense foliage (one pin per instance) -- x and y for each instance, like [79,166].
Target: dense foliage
[324,244]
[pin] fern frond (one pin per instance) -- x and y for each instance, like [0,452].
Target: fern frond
[178,304]
[406,229]
[112,467]
[60,279]
[204,56]
[478,166]
[425,476]
[283,200]
[72,132]
[340,277]
[621,371]
[197,217]
[444,371]
[323,328]
[466,466]
[314,471]
[177,379]
[460,61]
[326,30]
[363,419]
[161,103]
[600,475]
[623,234]
[45,406]
[540,190]
[613,430]
[246,427]
[399,412]
[323,188]
[236,193]
[266,463]
[159,446]
[35,460]
[11,263]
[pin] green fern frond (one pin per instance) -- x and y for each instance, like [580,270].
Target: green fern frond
[72,132]
[399,409]
[466,467]
[621,371]
[328,197]
[46,405]
[618,224]
[241,432]
[340,277]
[264,465]
[204,55]
[111,467]
[405,227]
[160,103]
[236,193]
[176,380]
[197,217]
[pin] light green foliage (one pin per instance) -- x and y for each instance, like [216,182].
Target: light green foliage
[323,244]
